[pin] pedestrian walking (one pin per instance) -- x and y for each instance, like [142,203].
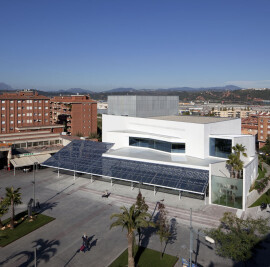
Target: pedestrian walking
[84,244]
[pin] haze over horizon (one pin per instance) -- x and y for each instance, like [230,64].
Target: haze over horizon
[101,45]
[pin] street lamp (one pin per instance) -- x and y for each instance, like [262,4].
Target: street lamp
[192,231]
[34,183]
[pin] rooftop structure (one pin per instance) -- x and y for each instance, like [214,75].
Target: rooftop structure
[142,106]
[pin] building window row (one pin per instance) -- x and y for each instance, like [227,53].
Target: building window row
[157,145]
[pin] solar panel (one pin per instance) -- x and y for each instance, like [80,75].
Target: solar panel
[86,156]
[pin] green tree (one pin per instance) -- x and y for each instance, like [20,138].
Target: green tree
[266,147]
[3,209]
[141,206]
[163,227]
[235,238]
[13,199]
[130,219]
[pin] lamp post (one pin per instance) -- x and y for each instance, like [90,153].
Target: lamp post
[190,240]
[192,231]
[34,183]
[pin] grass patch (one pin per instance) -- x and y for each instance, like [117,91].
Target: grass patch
[265,198]
[146,257]
[22,228]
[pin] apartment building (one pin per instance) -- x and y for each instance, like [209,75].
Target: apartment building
[263,128]
[77,112]
[25,125]
[24,109]
[249,125]
[232,112]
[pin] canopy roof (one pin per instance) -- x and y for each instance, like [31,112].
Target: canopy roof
[86,157]
[29,160]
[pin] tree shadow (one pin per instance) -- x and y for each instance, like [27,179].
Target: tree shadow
[46,206]
[58,193]
[145,233]
[45,250]
[173,234]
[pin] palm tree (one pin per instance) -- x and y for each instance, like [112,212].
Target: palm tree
[131,219]
[232,162]
[239,149]
[239,167]
[13,199]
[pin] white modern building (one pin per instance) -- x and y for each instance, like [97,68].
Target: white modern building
[198,146]
[179,154]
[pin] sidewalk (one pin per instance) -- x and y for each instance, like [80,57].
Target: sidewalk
[203,215]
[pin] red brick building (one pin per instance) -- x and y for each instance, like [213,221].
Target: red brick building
[23,109]
[249,125]
[25,124]
[263,128]
[77,112]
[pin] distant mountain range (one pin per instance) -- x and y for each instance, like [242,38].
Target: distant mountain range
[218,94]
[6,87]
[176,89]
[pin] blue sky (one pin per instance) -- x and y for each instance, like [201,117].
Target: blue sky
[100,45]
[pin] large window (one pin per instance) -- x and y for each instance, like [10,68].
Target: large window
[157,144]
[227,191]
[220,147]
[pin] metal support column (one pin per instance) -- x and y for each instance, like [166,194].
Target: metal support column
[91,178]
[58,173]
[74,176]
[205,198]
[111,182]
[155,191]
[179,194]
[191,239]
[14,170]
[35,252]
[132,186]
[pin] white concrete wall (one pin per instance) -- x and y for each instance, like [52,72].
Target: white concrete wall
[196,136]
[249,142]
[219,169]
[250,173]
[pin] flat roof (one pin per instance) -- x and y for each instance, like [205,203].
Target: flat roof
[154,156]
[192,119]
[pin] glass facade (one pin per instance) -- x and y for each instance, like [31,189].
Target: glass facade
[221,148]
[227,191]
[157,144]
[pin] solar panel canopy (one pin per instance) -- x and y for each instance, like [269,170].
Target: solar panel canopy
[86,157]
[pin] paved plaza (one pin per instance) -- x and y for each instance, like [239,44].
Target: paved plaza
[79,208]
